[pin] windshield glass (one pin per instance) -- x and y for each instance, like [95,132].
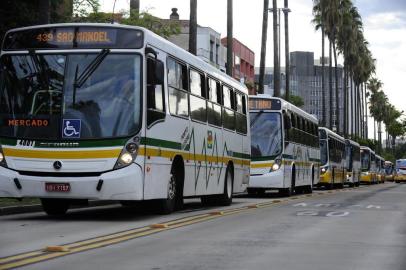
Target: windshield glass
[365,160]
[39,98]
[266,134]
[323,152]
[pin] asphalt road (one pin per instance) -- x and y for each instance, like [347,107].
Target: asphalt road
[362,228]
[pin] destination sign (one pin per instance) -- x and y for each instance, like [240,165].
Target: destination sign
[74,37]
[264,104]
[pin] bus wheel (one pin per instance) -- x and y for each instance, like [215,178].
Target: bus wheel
[55,207]
[167,206]
[226,198]
[286,192]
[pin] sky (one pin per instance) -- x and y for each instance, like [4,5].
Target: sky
[384,29]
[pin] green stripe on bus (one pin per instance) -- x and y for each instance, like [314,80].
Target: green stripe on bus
[160,143]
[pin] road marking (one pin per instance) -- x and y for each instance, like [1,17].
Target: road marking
[114,238]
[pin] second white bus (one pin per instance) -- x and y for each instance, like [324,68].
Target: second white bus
[285,151]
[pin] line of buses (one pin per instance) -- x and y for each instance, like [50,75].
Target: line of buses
[132,117]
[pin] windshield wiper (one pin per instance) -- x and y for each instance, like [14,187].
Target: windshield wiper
[88,71]
[256,118]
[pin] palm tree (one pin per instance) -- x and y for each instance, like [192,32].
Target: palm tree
[277,73]
[230,61]
[318,20]
[263,47]
[193,27]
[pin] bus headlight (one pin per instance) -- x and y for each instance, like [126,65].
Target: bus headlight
[3,162]
[128,154]
[275,167]
[323,170]
[126,158]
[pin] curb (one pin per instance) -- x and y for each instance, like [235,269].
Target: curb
[22,209]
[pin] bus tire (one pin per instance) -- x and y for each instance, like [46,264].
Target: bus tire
[167,206]
[55,207]
[226,198]
[287,192]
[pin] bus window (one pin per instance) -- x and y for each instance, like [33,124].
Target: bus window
[228,113]
[178,96]
[198,109]
[155,91]
[213,109]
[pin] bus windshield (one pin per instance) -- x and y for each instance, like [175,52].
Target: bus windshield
[266,134]
[41,99]
[365,160]
[323,152]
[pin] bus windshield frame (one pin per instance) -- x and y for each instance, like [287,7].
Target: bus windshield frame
[108,104]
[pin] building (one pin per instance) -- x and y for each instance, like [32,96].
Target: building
[305,81]
[208,42]
[244,61]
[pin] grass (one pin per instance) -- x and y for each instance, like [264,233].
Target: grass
[4,202]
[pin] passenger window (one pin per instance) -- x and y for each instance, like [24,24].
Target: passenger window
[177,88]
[239,102]
[227,96]
[155,91]
[212,90]
[197,83]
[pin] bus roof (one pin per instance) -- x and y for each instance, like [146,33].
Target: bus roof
[332,133]
[351,142]
[287,105]
[159,42]
[367,148]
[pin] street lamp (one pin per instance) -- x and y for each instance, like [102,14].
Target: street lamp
[285,10]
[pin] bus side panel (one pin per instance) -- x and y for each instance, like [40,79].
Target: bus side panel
[288,161]
[215,166]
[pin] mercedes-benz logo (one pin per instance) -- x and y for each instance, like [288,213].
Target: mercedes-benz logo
[57,165]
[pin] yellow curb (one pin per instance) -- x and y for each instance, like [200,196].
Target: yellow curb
[216,213]
[56,249]
[252,206]
[309,195]
[159,226]
[276,201]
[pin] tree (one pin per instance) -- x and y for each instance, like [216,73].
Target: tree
[295,100]
[318,7]
[263,46]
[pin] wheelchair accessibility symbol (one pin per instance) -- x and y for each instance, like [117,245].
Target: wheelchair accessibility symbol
[71,128]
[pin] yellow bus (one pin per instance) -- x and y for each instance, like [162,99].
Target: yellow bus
[368,166]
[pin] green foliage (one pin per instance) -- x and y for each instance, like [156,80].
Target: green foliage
[164,28]
[373,144]
[296,100]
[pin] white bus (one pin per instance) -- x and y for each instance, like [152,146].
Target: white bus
[285,151]
[113,112]
[400,175]
[332,151]
[353,162]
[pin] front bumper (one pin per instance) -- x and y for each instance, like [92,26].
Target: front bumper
[273,179]
[400,177]
[122,184]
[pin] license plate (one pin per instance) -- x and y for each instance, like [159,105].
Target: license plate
[57,187]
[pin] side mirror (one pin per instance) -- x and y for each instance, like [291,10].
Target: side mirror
[155,72]
[287,122]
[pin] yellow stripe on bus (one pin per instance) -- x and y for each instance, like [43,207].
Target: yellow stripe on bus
[89,154]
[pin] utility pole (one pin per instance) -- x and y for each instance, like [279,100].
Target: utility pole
[134,7]
[229,68]
[286,11]
[277,72]
[193,27]
[263,47]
